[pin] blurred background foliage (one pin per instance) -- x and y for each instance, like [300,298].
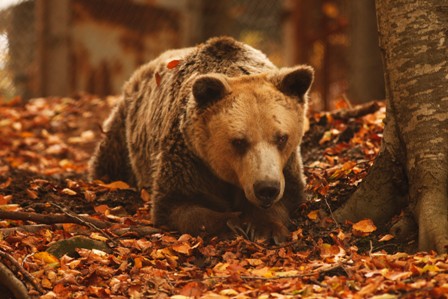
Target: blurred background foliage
[67,47]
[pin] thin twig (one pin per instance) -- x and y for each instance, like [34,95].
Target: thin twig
[22,270]
[47,219]
[331,213]
[87,223]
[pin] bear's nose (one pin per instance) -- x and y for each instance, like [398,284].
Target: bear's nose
[266,192]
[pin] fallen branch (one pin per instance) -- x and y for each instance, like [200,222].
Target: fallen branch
[357,111]
[33,228]
[317,271]
[22,270]
[140,231]
[12,283]
[53,218]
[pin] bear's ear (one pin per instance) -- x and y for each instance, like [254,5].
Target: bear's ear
[210,88]
[295,81]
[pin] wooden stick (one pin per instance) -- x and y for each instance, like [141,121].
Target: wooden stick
[52,218]
[22,270]
[12,283]
[357,111]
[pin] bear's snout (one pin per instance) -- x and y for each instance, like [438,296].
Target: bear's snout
[266,192]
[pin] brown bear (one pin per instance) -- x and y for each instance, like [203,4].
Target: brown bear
[213,133]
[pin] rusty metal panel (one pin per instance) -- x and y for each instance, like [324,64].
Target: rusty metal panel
[111,38]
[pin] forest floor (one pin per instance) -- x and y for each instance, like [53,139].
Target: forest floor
[62,236]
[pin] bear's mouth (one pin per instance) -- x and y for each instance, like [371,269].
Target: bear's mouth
[266,205]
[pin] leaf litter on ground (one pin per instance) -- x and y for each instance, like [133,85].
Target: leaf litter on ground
[44,150]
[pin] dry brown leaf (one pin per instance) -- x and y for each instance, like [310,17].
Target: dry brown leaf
[116,185]
[363,227]
[313,215]
[145,195]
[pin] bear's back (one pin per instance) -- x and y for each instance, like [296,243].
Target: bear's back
[227,56]
[157,94]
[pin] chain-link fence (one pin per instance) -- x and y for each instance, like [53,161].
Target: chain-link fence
[61,47]
[17,44]
[64,47]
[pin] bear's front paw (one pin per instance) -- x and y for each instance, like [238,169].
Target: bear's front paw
[251,230]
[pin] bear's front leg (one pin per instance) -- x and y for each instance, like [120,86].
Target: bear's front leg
[191,217]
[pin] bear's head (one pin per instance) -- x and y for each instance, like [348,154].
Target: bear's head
[246,128]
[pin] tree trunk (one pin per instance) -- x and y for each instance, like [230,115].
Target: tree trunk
[366,70]
[412,167]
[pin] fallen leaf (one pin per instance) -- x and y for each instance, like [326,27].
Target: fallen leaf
[254,262]
[158,78]
[69,191]
[116,185]
[192,289]
[228,292]
[183,248]
[145,195]
[363,227]
[172,64]
[90,196]
[387,237]
[313,215]
[263,272]
[10,207]
[32,194]
[5,199]
[101,209]
[6,183]
[47,257]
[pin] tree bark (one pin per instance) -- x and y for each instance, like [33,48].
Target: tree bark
[412,167]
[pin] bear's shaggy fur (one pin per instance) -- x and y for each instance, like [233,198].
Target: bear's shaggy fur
[213,133]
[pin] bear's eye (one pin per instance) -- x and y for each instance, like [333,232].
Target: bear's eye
[240,145]
[281,141]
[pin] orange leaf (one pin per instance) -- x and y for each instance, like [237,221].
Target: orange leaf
[48,258]
[32,194]
[328,250]
[5,199]
[101,209]
[116,185]
[192,289]
[68,191]
[145,195]
[6,184]
[342,104]
[363,227]
[184,248]
[70,227]
[9,207]
[138,262]
[60,288]
[89,195]
[313,215]
[158,79]
[172,64]
[386,238]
